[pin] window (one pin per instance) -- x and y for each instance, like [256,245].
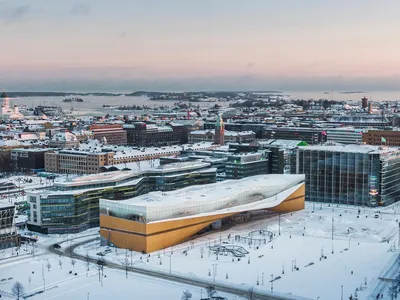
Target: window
[32,199]
[34,206]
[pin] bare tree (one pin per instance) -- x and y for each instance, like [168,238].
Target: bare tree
[126,265]
[60,263]
[250,293]
[211,292]
[186,295]
[101,262]
[87,261]
[18,290]
[73,262]
[48,266]
[99,267]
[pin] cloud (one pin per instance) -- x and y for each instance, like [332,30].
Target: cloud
[80,9]
[13,14]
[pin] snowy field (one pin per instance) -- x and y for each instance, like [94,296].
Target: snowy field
[362,248]
[56,282]
[25,183]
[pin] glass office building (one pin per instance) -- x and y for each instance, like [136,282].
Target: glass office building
[73,206]
[360,175]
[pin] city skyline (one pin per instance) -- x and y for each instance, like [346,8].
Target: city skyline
[174,45]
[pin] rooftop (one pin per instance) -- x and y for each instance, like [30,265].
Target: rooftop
[226,132]
[367,149]
[216,191]
[121,178]
[230,196]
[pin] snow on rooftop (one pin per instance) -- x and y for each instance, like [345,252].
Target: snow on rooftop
[226,132]
[352,148]
[255,192]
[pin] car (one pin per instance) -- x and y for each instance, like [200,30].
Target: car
[100,253]
[376,216]
[56,246]
[107,250]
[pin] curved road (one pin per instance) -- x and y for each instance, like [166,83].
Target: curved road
[202,283]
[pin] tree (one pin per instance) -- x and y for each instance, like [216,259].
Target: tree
[73,262]
[211,292]
[126,265]
[60,263]
[186,295]
[48,266]
[18,289]
[250,293]
[393,292]
[87,261]
[101,262]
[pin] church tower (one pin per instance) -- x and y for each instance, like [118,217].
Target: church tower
[219,131]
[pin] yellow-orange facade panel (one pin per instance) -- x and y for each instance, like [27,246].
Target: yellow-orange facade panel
[155,236]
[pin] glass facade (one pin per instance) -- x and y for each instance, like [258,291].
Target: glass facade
[238,167]
[354,178]
[79,210]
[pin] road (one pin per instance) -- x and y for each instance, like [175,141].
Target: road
[198,282]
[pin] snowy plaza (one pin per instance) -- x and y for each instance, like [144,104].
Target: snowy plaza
[288,255]
[299,261]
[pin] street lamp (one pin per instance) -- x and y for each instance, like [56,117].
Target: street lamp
[262,278]
[341,297]
[170,263]
[88,294]
[279,223]
[272,283]
[44,284]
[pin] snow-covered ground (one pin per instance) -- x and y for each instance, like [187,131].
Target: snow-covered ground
[57,282]
[25,183]
[362,247]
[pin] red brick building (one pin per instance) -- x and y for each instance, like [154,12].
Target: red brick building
[114,133]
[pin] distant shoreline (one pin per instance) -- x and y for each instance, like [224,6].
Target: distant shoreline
[353,92]
[134,94]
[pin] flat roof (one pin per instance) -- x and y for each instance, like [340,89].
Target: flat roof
[128,177]
[351,148]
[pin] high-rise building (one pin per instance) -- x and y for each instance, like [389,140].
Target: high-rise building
[239,166]
[345,135]
[229,136]
[220,131]
[361,175]
[382,137]
[146,135]
[8,230]
[113,134]
[308,135]
[364,103]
